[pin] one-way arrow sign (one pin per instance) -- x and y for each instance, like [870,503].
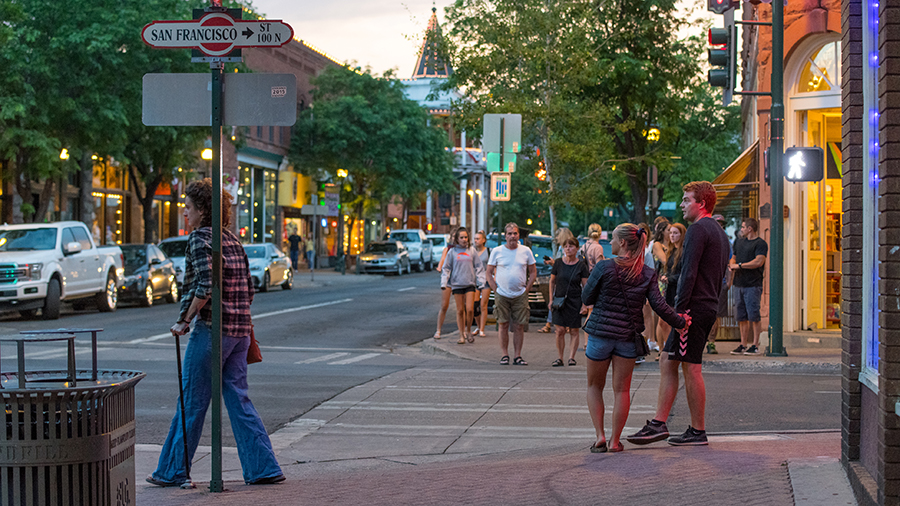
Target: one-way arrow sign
[217,34]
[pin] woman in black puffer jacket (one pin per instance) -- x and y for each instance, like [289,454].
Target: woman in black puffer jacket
[617,288]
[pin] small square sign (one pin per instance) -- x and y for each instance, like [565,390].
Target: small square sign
[500,186]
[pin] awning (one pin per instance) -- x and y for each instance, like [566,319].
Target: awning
[737,187]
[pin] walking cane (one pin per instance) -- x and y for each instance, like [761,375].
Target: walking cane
[187,460]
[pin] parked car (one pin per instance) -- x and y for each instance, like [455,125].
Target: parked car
[149,274]
[269,267]
[384,256]
[174,248]
[439,243]
[418,245]
[44,264]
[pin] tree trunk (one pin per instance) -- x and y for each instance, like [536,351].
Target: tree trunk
[146,200]
[86,190]
[44,200]
[638,197]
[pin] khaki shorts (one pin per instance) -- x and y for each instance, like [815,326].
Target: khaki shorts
[513,309]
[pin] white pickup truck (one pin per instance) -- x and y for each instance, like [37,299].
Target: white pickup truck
[42,264]
[418,245]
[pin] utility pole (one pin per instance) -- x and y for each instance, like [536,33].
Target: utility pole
[776,157]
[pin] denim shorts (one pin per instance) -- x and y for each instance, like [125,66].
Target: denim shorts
[746,303]
[602,348]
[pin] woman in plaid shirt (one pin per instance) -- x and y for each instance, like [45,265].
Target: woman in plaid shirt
[254,448]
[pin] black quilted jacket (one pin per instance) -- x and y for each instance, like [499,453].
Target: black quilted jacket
[613,316]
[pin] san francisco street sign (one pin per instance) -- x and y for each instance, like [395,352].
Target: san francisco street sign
[217,34]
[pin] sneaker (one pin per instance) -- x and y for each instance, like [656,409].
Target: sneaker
[739,350]
[753,350]
[711,349]
[639,360]
[652,432]
[691,437]
[652,345]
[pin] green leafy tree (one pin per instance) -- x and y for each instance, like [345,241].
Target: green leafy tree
[365,125]
[591,80]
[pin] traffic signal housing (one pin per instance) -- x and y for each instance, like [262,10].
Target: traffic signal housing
[722,56]
[720,6]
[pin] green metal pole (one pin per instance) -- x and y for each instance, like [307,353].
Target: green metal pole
[776,155]
[215,482]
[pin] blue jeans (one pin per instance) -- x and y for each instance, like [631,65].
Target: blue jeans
[253,445]
[310,257]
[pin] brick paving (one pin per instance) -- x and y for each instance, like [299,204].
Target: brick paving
[746,472]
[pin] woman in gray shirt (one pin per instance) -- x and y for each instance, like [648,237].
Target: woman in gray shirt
[463,273]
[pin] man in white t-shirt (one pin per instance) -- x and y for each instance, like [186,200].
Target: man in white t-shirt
[511,271]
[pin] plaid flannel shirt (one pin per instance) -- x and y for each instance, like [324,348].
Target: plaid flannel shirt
[237,285]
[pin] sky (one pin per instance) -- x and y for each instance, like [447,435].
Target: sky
[381,34]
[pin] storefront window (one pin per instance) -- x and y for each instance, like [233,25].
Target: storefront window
[822,70]
[245,203]
[870,263]
[257,198]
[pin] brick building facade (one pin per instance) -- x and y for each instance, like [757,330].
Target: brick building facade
[870,416]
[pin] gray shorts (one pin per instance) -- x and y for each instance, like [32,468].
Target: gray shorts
[746,303]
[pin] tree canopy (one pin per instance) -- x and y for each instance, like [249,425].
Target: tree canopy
[365,125]
[591,79]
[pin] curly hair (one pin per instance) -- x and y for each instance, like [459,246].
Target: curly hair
[704,192]
[200,193]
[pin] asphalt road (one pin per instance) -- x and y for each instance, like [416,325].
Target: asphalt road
[316,342]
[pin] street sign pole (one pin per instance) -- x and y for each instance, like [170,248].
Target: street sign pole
[215,482]
[501,234]
[776,170]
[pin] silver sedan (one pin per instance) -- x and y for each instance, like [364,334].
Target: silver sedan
[384,256]
[269,267]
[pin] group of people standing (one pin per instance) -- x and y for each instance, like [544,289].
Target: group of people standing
[296,245]
[680,273]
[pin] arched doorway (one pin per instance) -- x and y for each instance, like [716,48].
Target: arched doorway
[813,231]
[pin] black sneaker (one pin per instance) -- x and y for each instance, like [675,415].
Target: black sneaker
[739,350]
[652,432]
[691,437]
[753,350]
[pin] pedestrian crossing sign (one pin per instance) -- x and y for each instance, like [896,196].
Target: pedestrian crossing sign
[500,186]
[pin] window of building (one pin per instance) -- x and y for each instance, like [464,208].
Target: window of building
[870,268]
[822,70]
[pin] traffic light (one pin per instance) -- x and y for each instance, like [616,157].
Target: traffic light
[720,6]
[722,56]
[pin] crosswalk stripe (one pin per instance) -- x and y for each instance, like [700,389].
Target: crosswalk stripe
[58,353]
[357,358]
[323,358]
[407,288]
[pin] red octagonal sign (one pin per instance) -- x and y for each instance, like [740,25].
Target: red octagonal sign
[217,34]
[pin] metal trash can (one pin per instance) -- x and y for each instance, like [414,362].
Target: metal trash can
[69,435]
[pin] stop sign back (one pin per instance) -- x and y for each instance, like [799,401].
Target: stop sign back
[217,34]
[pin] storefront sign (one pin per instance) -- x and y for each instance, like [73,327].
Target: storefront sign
[804,164]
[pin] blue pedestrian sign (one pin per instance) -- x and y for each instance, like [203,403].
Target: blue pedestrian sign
[500,183]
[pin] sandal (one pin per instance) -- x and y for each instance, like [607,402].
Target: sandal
[546,329]
[470,338]
[599,447]
[462,340]
[504,360]
[481,333]
[557,363]
[437,335]
[571,361]
[616,449]
[519,361]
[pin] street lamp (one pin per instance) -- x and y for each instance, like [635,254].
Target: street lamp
[207,154]
[64,154]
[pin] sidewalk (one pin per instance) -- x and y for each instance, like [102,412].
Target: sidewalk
[540,350]
[330,277]
[485,435]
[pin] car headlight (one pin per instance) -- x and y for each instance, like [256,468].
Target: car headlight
[34,270]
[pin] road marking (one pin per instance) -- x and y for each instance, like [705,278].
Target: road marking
[358,358]
[57,354]
[255,317]
[301,308]
[827,391]
[407,288]
[323,358]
